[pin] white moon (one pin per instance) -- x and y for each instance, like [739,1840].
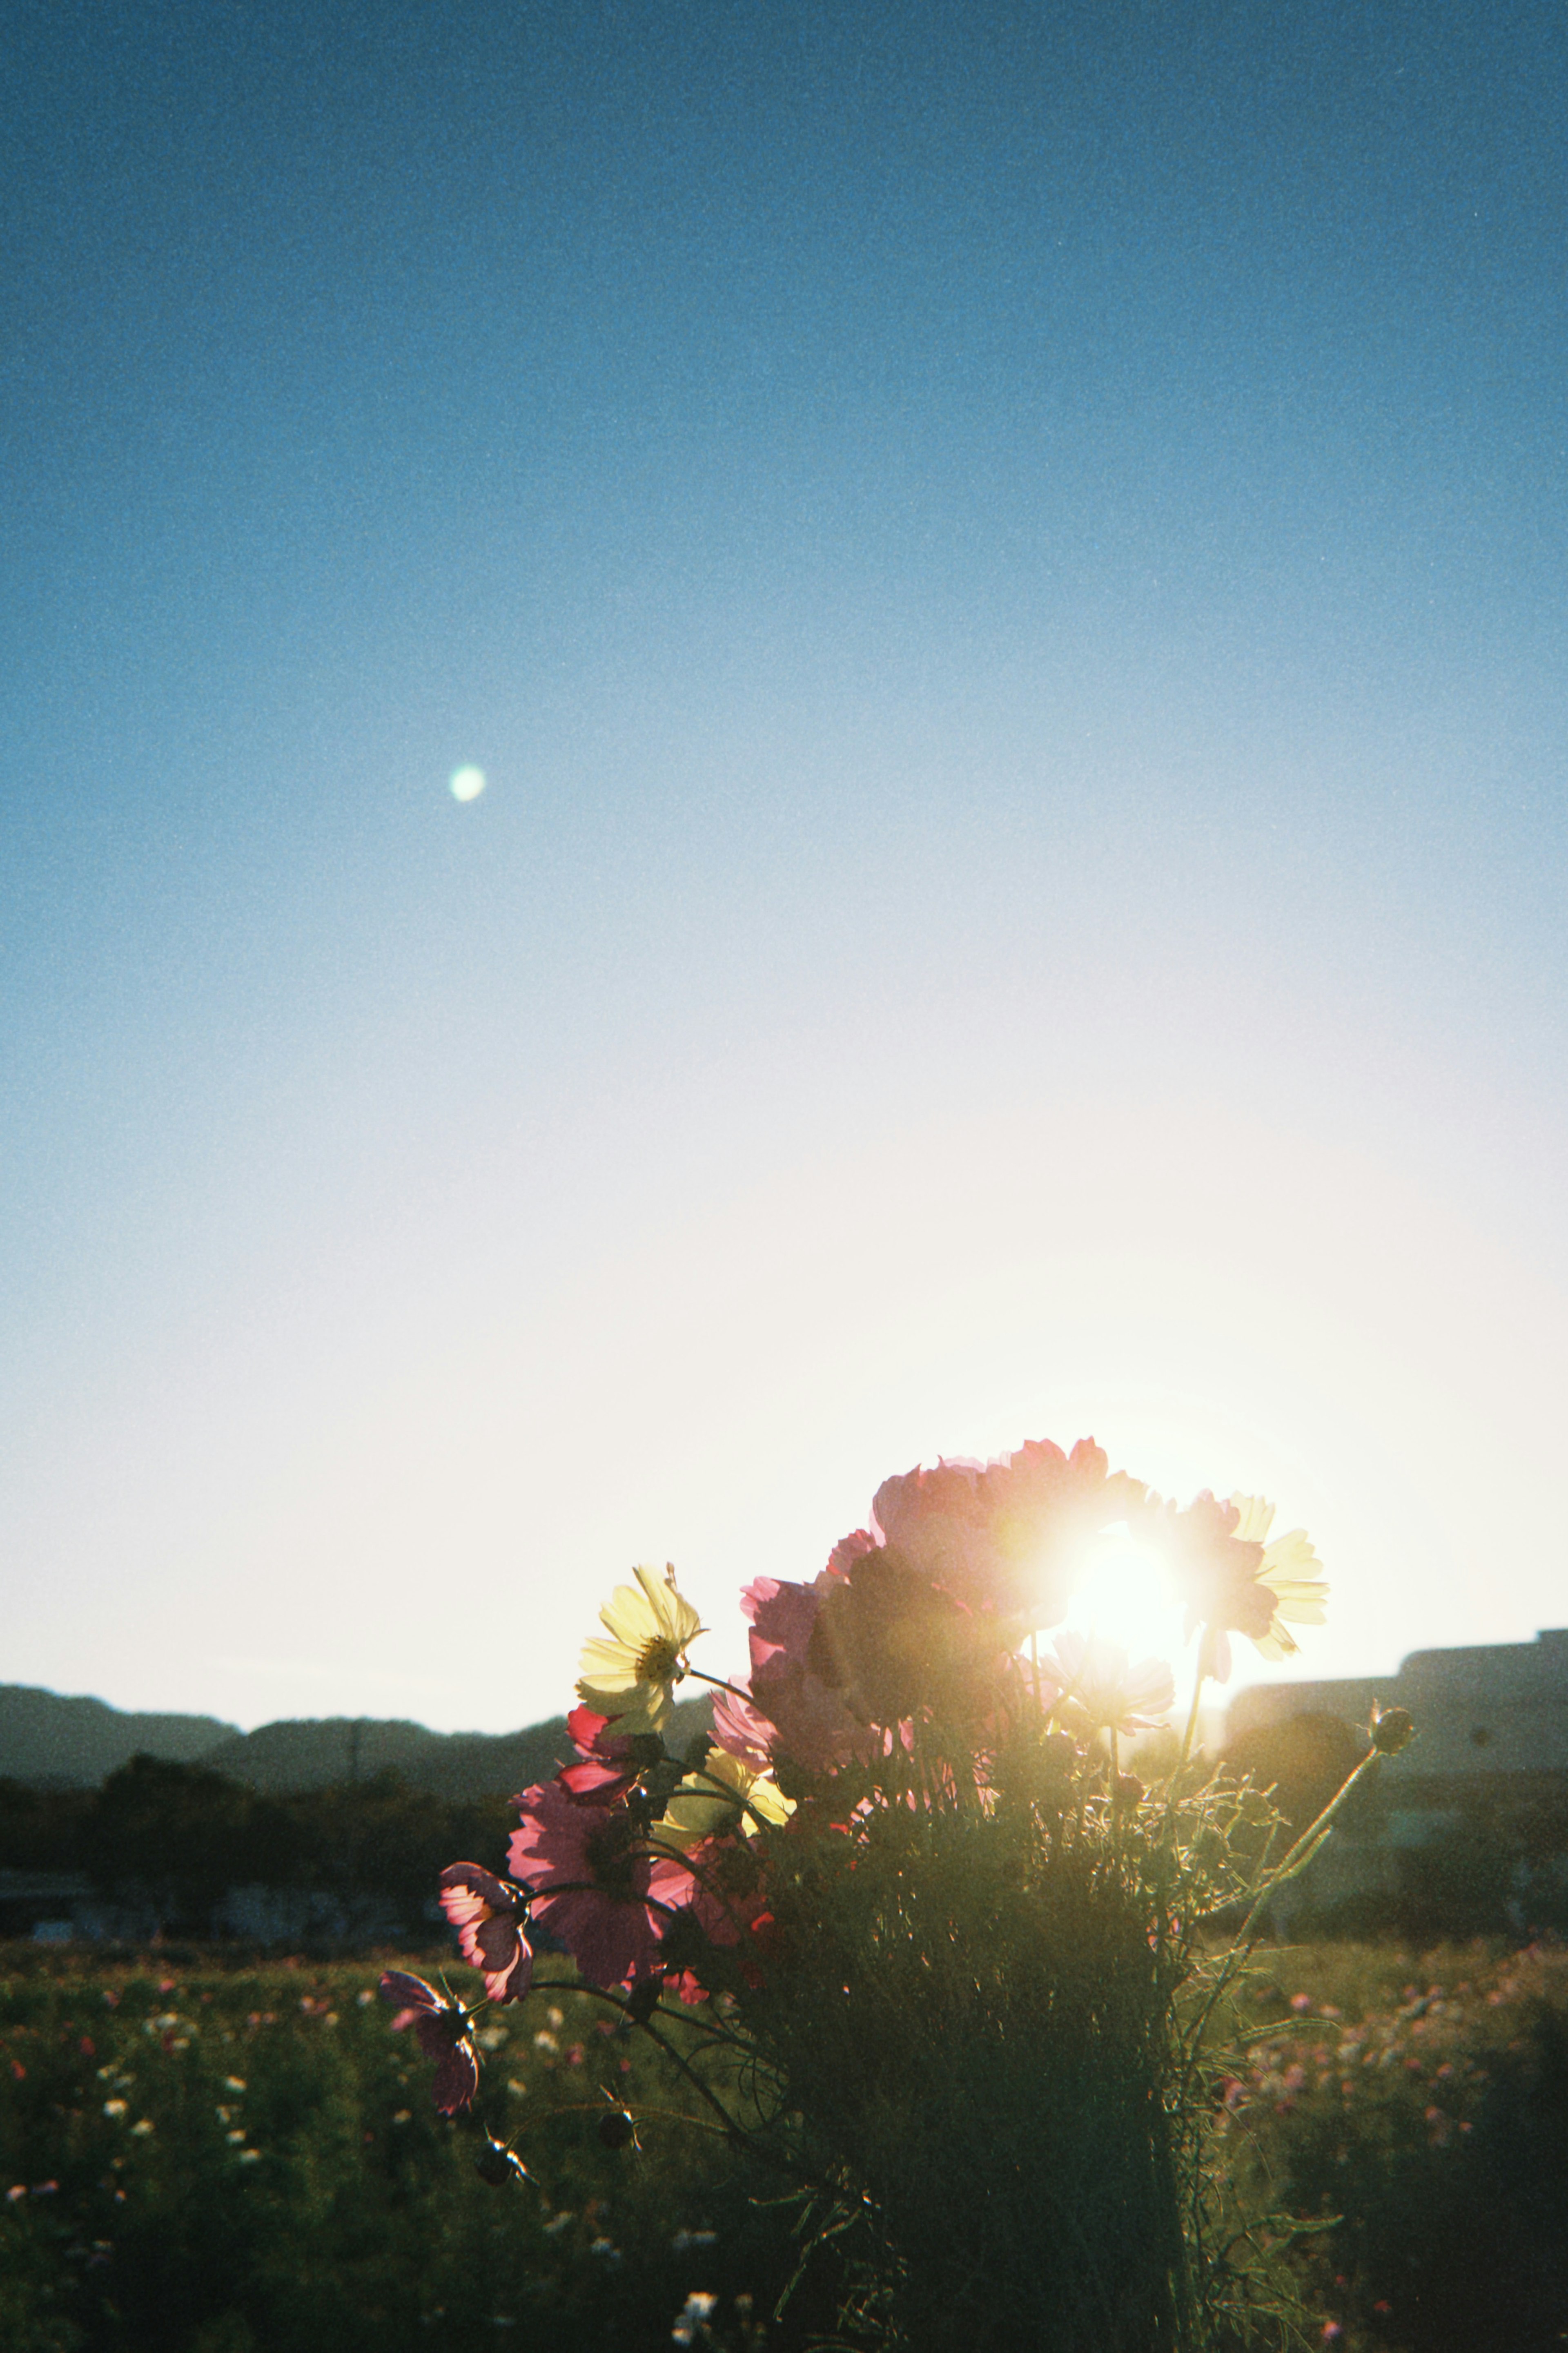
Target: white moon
[466,784]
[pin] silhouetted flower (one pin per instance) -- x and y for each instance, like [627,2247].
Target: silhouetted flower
[1232,1581]
[442,2028]
[490,1919]
[812,1725]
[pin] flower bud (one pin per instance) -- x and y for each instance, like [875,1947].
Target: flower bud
[615,2128]
[498,2165]
[1391,1730]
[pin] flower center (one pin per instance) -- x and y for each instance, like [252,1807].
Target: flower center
[659,1661]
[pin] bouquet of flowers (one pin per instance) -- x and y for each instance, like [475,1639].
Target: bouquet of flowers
[905,1922]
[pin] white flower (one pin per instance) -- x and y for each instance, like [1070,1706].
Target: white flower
[1099,1689]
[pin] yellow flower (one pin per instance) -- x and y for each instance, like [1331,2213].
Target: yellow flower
[1291,1572]
[728,1794]
[632,1677]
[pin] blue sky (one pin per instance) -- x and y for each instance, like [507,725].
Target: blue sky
[1004,566]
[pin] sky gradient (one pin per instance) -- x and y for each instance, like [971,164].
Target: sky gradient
[1006,567]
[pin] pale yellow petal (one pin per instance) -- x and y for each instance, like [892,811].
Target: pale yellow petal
[609,1663]
[628,1616]
[635,1707]
[1256,1518]
[673,1614]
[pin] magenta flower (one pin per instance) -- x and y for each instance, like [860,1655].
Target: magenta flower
[490,1919]
[1007,1535]
[592,1880]
[743,1731]
[813,1724]
[608,1761]
[442,2028]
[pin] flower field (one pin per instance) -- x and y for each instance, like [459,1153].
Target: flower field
[202,2157]
[208,2156]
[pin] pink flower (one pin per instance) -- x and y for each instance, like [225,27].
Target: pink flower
[1006,1536]
[812,1725]
[442,2028]
[593,1884]
[489,1918]
[744,1730]
[609,1761]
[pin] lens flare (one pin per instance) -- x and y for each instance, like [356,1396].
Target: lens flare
[466,784]
[1125,1594]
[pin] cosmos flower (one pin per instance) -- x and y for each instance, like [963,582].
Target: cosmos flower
[727,1795]
[490,1921]
[1289,1569]
[1097,1689]
[593,1882]
[742,1730]
[1006,1536]
[812,1725]
[442,2028]
[609,1760]
[632,1677]
[1236,1583]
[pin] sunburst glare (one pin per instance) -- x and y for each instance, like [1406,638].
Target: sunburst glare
[1125,1594]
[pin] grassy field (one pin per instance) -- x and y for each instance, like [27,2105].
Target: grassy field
[206,2157]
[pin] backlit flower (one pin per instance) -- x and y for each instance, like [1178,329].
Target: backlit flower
[728,1794]
[1289,1569]
[490,1921]
[1099,1690]
[813,1727]
[632,1677]
[1234,1581]
[1006,1536]
[610,1758]
[742,1730]
[593,1882]
[442,2030]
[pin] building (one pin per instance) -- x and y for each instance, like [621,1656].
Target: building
[1465,1832]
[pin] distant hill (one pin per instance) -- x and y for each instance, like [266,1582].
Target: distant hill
[50,1741]
[281,1758]
[74,1743]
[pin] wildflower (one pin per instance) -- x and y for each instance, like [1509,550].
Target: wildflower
[812,1727]
[743,1731]
[489,1918]
[632,1677]
[891,1642]
[443,2031]
[593,1884]
[728,1794]
[1006,1536]
[1235,1581]
[497,2165]
[609,1762]
[1099,1690]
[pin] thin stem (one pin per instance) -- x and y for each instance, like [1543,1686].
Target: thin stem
[719,1683]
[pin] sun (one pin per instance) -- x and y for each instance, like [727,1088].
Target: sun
[1124,1592]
